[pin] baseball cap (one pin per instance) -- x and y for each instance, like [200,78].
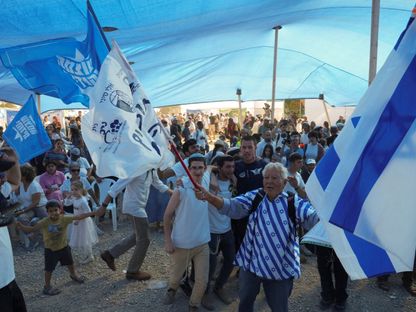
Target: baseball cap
[75,151]
[196,155]
[310,161]
[220,142]
[233,151]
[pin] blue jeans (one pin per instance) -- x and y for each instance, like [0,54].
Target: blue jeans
[224,243]
[277,292]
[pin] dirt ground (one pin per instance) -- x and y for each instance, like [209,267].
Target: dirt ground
[106,290]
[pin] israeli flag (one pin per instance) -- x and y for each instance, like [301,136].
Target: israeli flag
[364,186]
[121,130]
[26,133]
[63,68]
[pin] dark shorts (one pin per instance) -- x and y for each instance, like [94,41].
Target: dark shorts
[52,258]
[11,298]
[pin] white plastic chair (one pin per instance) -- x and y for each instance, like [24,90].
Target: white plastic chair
[104,187]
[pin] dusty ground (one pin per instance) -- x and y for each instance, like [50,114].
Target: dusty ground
[106,290]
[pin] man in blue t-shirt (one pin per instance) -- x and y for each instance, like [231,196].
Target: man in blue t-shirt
[248,171]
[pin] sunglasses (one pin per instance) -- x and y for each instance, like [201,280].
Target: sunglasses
[74,170]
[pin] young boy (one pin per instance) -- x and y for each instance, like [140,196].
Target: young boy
[54,231]
[187,234]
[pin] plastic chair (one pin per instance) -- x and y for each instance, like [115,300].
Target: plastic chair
[104,187]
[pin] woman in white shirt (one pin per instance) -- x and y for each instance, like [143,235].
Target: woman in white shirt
[30,196]
[313,150]
[32,201]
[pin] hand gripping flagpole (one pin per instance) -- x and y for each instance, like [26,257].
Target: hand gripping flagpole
[176,152]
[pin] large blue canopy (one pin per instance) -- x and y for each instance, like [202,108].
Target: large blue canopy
[193,51]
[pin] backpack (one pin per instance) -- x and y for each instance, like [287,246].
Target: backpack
[290,206]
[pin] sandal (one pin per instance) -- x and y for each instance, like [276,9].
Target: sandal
[77,279]
[51,291]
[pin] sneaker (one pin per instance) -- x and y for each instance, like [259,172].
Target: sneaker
[138,276]
[49,291]
[223,295]
[169,296]
[207,303]
[325,304]
[108,259]
[411,289]
[383,285]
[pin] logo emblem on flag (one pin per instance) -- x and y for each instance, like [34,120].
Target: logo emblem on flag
[80,68]
[26,133]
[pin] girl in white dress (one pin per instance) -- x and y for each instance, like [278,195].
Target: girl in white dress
[84,234]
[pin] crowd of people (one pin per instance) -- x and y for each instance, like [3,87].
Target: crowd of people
[245,200]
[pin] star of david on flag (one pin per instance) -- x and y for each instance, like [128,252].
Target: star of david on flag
[26,133]
[363,188]
[63,68]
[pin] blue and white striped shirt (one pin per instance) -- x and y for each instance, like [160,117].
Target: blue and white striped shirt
[270,248]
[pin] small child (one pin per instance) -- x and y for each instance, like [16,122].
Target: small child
[54,231]
[84,234]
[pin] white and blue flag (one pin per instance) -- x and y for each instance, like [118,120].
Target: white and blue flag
[363,188]
[26,133]
[121,130]
[63,68]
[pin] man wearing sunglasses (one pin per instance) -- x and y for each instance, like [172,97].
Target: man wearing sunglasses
[84,165]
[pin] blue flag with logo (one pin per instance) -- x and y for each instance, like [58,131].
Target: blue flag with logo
[26,133]
[363,188]
[63,68]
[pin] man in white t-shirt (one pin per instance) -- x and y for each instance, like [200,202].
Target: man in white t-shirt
[134,203]
[184,214]
[295,182]
[201,137]
[11,297]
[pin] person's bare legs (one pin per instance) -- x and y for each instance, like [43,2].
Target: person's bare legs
[48,277]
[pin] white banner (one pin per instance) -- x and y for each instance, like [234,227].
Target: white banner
[121,129]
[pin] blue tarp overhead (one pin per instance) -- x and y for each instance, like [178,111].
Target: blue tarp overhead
[201,51]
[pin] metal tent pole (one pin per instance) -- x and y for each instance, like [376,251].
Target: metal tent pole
[276,34]
[375,15]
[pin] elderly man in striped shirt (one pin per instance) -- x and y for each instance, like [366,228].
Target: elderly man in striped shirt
[269,254]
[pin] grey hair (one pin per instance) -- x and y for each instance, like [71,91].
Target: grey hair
[276,166]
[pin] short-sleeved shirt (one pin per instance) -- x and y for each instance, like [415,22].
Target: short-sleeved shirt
[25,196]
[179,170]
[290,188]
[54,182]
[249,176]
[55,232]
[6,258]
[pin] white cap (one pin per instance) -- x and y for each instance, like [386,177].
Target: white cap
[310,161]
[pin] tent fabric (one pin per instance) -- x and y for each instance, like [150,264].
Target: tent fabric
[202,51]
